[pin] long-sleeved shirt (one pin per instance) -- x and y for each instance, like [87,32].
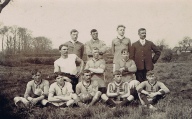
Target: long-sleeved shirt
[152,88]
[97,65]
[89,45]
[92,88]
[130,68]
[114,87]
[75,48]
[118,45]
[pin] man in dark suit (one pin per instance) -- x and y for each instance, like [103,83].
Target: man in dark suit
[141,53]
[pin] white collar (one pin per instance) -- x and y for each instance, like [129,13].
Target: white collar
[118,84]
[73,41]
[144,40]
[94,60]
[120,37]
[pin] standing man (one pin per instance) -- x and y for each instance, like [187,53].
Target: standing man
[66,63]
[97,68]
[141,53]
[119,43]
[95,43]
[74,46]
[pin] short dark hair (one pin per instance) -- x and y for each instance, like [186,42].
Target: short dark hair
[141,29]
[35,71]
[73,30]
[95,48]
[121,26]
[117,72]
[56,74]
[93,30]
[86,71]
[124,50]
[149,73]
[62,46]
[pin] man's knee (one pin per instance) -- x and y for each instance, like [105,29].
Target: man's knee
[134,83]
[104,97]
[130,98]
[98,94]
[44,102]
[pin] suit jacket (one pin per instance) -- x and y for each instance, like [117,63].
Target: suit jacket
[142,55]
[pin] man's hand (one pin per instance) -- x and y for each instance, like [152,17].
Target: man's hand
[34,101]
[121,69]
[78,74]
[118,92]
[152,95]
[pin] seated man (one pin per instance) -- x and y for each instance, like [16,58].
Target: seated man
[118,90]
[97,67]
[151,91]
[67,64]
[87,89]
[128,69]
[61,92]
[36,91]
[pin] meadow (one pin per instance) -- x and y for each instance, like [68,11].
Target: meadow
[177,105]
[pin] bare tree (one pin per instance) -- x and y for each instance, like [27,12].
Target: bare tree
[18,40]
[14,31]
[185,43]
[41,44]
[3,31]
[3,3]
[162,45]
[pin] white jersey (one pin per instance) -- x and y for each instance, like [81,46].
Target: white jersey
[67,65]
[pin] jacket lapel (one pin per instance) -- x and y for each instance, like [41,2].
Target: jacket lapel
[139,43]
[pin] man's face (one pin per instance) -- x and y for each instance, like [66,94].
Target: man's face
[87,76]
[96,54]
[94,35]
[37,77]
[121,31]
[125,55]
[74,36]
[151,78]
[60,80]
[64,50]
[118,78]
[142,34]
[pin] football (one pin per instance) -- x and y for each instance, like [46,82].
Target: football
[85,97]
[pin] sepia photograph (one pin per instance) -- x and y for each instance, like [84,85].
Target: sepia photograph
[95,59]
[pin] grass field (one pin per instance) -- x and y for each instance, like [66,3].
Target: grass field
[177,105]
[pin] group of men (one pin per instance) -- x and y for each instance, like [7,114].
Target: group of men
[79,84]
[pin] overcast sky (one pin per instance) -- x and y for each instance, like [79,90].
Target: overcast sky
[164,19]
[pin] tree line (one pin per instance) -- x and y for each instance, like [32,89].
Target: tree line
[18,40]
